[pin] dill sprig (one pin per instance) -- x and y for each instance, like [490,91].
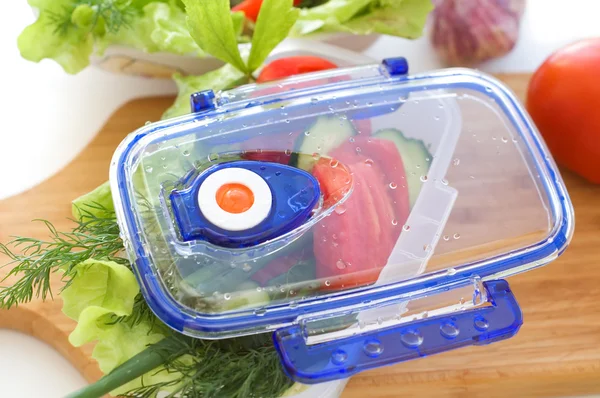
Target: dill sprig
[235,368]
[95,235]
[106,16]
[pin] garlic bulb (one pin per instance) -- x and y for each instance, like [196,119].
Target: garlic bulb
[466,32]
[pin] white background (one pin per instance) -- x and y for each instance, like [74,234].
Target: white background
[48,117]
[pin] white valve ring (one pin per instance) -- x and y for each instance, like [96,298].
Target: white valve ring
[260,209]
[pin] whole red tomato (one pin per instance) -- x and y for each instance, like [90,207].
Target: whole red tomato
[563,100]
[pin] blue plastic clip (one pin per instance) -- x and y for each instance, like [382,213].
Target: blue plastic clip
[397,66]
[342,358]
[202,101]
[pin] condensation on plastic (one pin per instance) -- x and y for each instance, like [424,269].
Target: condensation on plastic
[490,204]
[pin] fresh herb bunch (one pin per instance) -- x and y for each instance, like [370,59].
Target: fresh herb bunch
[95,235]
[233,368]
[95,16]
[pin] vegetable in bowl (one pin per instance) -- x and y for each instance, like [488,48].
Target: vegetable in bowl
[72,32]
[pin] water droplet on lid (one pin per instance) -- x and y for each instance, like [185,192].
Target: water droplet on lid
[418,166]
[343,117]
[393,185]
[412,339]
[333,163]
[436,118]
[369,103]
[446,237]
[247,267]
[361,324]
[316,156]
[373,348]
[494,138]
[444,181]
[340,264]
[440,105]
[314,100]
[351,139]
[406,227]
[287,120]
[488,89]
[456,162]
[456,236]
[481,324]
[449,330]
[514,140]
[504,139]
[307,133]
[260,312]
[263,168]
[259,289]
[148,169]
[186,153]
[369,162]
[288,152]
[394,221]
[328,283]
[147,122]
[341,209]
[423,178]
[164,166]
[358,150]
[425,248]
[213,157]
[451,271]
[227,296]
[163,158]
[277,173]
[338,357]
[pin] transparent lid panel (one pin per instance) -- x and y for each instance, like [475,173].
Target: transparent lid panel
[414,178]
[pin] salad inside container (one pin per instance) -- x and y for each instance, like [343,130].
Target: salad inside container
[363,216]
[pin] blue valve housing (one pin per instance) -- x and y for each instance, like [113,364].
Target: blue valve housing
[294,193]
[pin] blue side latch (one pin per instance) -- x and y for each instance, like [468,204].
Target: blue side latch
[492,315]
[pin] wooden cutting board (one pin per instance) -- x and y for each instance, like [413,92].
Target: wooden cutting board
[556,353]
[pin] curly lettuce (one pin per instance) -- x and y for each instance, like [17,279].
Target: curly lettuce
[99,293]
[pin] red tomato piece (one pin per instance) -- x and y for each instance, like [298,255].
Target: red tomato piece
[563,99]
[352,245]
[251,8]
[290,66]
[336,177]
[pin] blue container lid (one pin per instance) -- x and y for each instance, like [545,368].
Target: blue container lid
[366,190]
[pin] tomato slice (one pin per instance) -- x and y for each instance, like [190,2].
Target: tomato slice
[341,239]
[336,177]
[351,246]
[251,8]
[290,66]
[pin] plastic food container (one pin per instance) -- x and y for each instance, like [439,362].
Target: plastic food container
[363,216]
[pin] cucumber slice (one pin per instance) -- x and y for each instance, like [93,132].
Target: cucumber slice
[414,153]
[326,134]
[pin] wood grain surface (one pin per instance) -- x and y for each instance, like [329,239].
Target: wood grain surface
[556,353]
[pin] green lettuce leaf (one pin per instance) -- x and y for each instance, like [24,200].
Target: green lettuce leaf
[99,292]
[160,27]
[98,203]
[70,46]
[275,20]
[100,284]
[219,79]
[211,25]
[403,18]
